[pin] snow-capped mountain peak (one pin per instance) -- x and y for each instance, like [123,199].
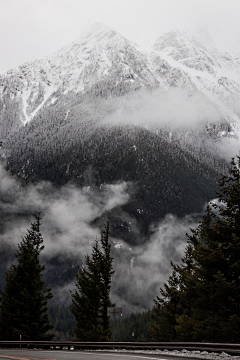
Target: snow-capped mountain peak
[97,33]
[185,49]
[99,53]
[102,57]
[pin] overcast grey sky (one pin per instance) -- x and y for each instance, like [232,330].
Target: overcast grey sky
[32,29]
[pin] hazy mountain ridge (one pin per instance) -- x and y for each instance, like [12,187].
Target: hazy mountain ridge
[214,74]
[176,61]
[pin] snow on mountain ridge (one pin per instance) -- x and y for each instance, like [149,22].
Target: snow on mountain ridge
[99,53]
[186,50]
[97,34]
[205,68]
[177,61]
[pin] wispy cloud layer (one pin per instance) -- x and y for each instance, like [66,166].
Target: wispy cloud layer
[67,214]
[159,108]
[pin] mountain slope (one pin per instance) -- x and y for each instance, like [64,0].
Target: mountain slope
[54,110]
[100,113]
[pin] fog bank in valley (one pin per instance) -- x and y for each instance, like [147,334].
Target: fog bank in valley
[67,216]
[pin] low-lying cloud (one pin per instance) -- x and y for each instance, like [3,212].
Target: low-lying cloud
[67,216]
[66,212]
[160,108]
[143,269]
[186,117]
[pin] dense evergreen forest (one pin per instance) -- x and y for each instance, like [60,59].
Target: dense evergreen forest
[68,148]
[76,140]
[137,323]
[62,320]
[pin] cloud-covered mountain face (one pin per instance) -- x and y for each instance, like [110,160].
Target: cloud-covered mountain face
[102,128]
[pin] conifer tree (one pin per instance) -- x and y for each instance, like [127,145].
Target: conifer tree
[23,302]
[203,301]
[90,298]
[86,299]
[107,272]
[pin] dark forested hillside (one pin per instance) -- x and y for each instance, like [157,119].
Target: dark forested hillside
[133,327]
[166,179]
[78,148]
[122,329]
[76,140]
[63,321]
